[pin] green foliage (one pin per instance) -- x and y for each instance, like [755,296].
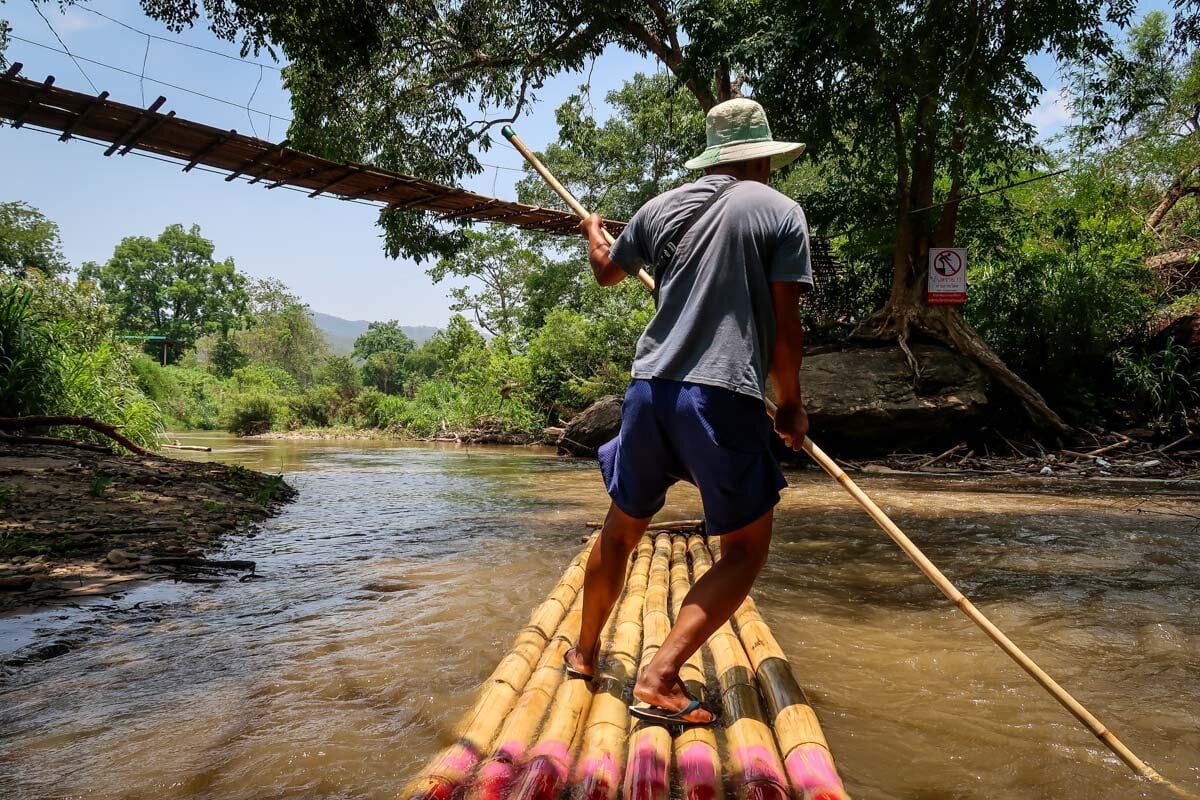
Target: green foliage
[382,337]
[342,376]
[576,359]
[250,414]
[57,358]
[1163,382]
[226,357]
[28,240]
[282,333]
[316,407]
[1064,294]
[170,286]
[100,483]
[497,267]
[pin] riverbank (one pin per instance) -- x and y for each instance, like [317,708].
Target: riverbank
[74,522]
[475,436]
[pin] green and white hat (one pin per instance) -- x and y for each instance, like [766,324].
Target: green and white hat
[737,130]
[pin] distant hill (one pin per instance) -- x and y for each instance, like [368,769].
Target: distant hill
[341,333]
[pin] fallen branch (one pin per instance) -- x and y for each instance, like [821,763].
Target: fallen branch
[931,461]
[20,423]
[197,448]
[1125,440]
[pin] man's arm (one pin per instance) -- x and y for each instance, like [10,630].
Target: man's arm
[604,268]
[791,421]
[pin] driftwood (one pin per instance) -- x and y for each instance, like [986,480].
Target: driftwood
[21,423]
[197,448]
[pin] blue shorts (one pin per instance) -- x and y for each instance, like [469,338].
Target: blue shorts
[715,438]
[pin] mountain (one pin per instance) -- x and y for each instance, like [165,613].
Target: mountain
[341,333]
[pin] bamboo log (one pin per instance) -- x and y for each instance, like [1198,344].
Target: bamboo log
[806,756]
[449,770]
[647,776]
[697,758]
[669,525]
[495,778]
[756,769]
[549,766]
[597,773]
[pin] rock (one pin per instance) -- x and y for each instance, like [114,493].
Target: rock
[1046,471]
[879,469]
[860,399]
[592,427]
[864,398]
[118,558]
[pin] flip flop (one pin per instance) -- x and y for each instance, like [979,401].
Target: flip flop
[663,716]
[575,673]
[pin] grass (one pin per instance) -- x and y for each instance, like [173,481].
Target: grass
[271,490]
[100,484]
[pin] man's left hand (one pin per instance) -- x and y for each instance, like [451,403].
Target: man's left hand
[791,423]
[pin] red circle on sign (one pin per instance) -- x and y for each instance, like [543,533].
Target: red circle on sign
[948,263]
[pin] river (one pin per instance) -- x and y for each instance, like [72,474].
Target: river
[397,579]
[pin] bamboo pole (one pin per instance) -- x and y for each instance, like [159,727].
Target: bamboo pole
[670,525]
[597,774]
[545,774]
[697,758]
[448,771]
[755,767]
[647,776]
[563,192]
[806,756]
[946,587]
[494,780]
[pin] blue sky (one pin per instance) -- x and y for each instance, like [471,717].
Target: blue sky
[329,252]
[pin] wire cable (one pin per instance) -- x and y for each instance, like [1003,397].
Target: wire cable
[66,49]
[149,35]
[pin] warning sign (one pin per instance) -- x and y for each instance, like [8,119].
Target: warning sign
[947,276]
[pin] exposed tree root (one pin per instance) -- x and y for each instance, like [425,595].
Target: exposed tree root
[22,423]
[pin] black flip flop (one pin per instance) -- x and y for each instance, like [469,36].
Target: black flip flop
[662,716]
[575,673]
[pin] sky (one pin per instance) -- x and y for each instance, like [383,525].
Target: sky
[328,251]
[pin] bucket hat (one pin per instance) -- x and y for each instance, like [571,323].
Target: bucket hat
[737,130]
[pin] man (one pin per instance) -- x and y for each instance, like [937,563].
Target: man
[728,313]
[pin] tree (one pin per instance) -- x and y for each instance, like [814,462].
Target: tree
[171,286]
[449,353]
[383,350]
[1138,112]
[381,336]
[28,240]
[282,332]
[497,263]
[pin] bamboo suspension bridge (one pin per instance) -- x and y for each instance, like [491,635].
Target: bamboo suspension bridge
[534,734]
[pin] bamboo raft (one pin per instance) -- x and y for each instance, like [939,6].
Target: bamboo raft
[532,734]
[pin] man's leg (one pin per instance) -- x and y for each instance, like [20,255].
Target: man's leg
[602,584]
[709,604]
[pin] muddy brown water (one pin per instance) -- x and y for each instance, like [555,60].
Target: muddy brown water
[397,579]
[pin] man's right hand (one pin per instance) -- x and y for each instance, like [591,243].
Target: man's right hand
[791,423]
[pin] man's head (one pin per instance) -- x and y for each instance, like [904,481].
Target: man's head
[752,169]
[737,132]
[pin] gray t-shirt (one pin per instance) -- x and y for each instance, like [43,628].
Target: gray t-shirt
[715,322]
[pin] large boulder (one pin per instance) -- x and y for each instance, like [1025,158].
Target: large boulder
[865,398]
[592,427]
[861,399]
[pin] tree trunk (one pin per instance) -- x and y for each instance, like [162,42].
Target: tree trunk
[1175,192]
[906,310]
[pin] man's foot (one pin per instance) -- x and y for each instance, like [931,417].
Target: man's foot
[668,695]
[577,666]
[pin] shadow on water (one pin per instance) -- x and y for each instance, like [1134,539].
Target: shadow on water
[400,575]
